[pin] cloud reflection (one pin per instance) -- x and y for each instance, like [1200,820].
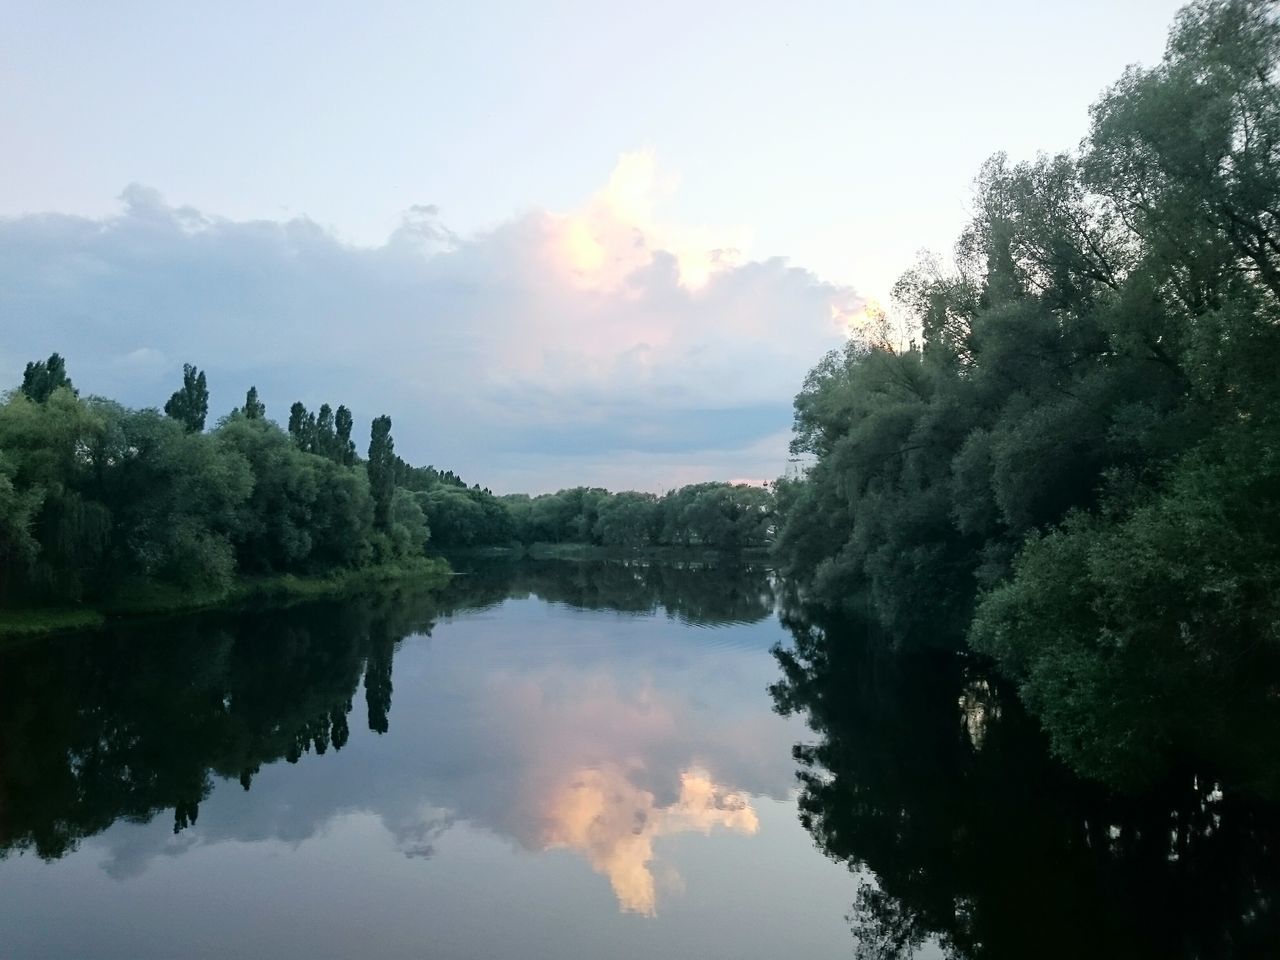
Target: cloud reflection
[601,814]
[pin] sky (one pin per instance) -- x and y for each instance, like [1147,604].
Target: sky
[559,243]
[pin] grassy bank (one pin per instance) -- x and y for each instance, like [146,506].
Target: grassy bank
[149,599]
[35,621]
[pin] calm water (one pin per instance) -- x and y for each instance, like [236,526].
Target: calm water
[561,760]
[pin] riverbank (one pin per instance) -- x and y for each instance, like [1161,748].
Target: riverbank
[586,551]
[149,599]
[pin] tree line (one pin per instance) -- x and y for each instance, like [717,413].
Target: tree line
[104,504]
[100,503]
[722,516]
[1074,468]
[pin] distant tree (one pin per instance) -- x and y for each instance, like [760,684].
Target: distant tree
[297,416]
[309,433]
[190,405]
[325,441]
[254,409]
[42,377]
[344,445]
[302,427]
[382,458]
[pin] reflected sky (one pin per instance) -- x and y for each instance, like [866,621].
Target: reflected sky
[554,782]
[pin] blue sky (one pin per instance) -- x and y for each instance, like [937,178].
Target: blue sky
[559,243]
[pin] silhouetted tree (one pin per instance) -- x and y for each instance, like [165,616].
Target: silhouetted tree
[344,445]
[254,408]
[297,416]
[42,377]
[325,439]
[190,405]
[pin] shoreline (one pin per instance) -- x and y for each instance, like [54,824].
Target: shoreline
[587,551]
[27,623]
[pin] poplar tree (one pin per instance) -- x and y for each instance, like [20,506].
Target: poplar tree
[325,439]
[297,416]
[190,404]
[254,409]
[382,470]
[346,447]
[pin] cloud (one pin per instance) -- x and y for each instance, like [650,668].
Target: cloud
[574,338]
[603,815]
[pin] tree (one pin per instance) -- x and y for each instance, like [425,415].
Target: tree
[345,447]
[297,417]
[325,439]
[190,405]
[381,467]
[1074,471]
[42,377]
[254,409]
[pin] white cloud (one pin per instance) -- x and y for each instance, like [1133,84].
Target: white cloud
[574,341]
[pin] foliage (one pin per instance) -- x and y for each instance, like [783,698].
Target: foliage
[1074,468]
[254,409]
[190,405]
[718,516]
[42,377]
[120,508]
[382,471]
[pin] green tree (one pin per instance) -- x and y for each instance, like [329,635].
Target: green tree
[345,447]
[190,404]
[254,409]
[326,441]
[381,467]
[42,377]
[1073,469]
[297,417]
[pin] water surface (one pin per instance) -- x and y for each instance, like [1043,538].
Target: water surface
[551,761]
[555,760]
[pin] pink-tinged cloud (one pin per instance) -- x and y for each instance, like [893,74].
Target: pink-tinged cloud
[535,354]
[601,814]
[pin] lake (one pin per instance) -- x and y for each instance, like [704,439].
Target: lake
[554,760]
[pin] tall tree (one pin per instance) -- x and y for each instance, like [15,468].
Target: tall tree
[297,417]
[325,440]
[309,432]
[42,377]
[382,463]
[254,409]
[346,447]
[190,404]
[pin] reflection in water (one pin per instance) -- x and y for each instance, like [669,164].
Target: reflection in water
[983,845]
[584,715]
[979,705]
[139,718]
[146,717]
[614,823]
[696,593]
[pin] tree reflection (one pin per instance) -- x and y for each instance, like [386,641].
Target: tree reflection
[693,592]
[928,776]
[139,718]
[144,716]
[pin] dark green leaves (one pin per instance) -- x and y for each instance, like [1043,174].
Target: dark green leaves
[190,405]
